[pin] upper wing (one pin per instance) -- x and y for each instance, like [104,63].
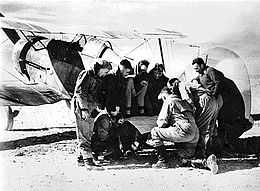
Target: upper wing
[19,25]
[106,34]
[135,34]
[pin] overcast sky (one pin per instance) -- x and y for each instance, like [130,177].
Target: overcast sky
[200,20]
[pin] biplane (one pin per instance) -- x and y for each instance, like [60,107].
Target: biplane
[44,68]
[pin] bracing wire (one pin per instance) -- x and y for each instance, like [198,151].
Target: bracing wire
[4,41]
[134,49]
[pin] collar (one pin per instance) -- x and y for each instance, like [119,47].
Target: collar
[102,112]
[174,96]
[205,70]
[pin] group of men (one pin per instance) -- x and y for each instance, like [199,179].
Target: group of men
[207,116]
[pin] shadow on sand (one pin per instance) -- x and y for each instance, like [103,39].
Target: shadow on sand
[234,164]
[245,156]
[29,141]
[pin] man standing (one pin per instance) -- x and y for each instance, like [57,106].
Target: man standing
[157,80]
[141,83]
[126,89]
[208,104]
[219,99]
[86,99]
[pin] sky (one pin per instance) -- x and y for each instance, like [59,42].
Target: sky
[200,20]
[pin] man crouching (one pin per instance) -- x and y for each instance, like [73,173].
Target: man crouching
[85,101]
[175,123]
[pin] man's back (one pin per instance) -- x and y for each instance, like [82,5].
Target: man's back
[88,86]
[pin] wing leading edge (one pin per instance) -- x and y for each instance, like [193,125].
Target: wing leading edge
[106,34]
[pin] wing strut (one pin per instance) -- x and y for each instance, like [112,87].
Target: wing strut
[161,50]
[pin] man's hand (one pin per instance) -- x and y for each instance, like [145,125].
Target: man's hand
[144,83]
[116,112]
[204,99]
[85,114]
[192,105]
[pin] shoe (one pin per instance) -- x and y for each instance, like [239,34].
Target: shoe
[91,165]
[80,161]
[184,163]
[160,164]
[168,143]
[211,163]
[162,158]
[150,142]
[129,154]
[135,145]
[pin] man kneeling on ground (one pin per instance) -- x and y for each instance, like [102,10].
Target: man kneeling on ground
[130,139]
[113,136]
[105,141]
[175,123]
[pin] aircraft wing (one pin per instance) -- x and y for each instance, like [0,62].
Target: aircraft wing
[106,34]
[15,92]
[20,25]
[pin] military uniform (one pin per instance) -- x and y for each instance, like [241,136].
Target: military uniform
[227,106]
[153,89]
[176,124]
[86,99]
[105,139]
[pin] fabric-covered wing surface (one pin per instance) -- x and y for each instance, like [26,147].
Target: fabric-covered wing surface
[102,33]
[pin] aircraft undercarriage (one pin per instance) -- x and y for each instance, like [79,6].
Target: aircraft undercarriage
[7,117]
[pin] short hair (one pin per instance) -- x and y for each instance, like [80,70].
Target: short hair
[143,62]
[159,67]
[102,64]
[174,87]
[126,64]
[198,61]
[173,80]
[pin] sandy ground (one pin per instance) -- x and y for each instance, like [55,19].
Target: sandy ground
[45,160]
[53,167]
[37,157]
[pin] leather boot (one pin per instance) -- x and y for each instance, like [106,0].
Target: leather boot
[162,158]
[211,163]
[91,165]
[80,160]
